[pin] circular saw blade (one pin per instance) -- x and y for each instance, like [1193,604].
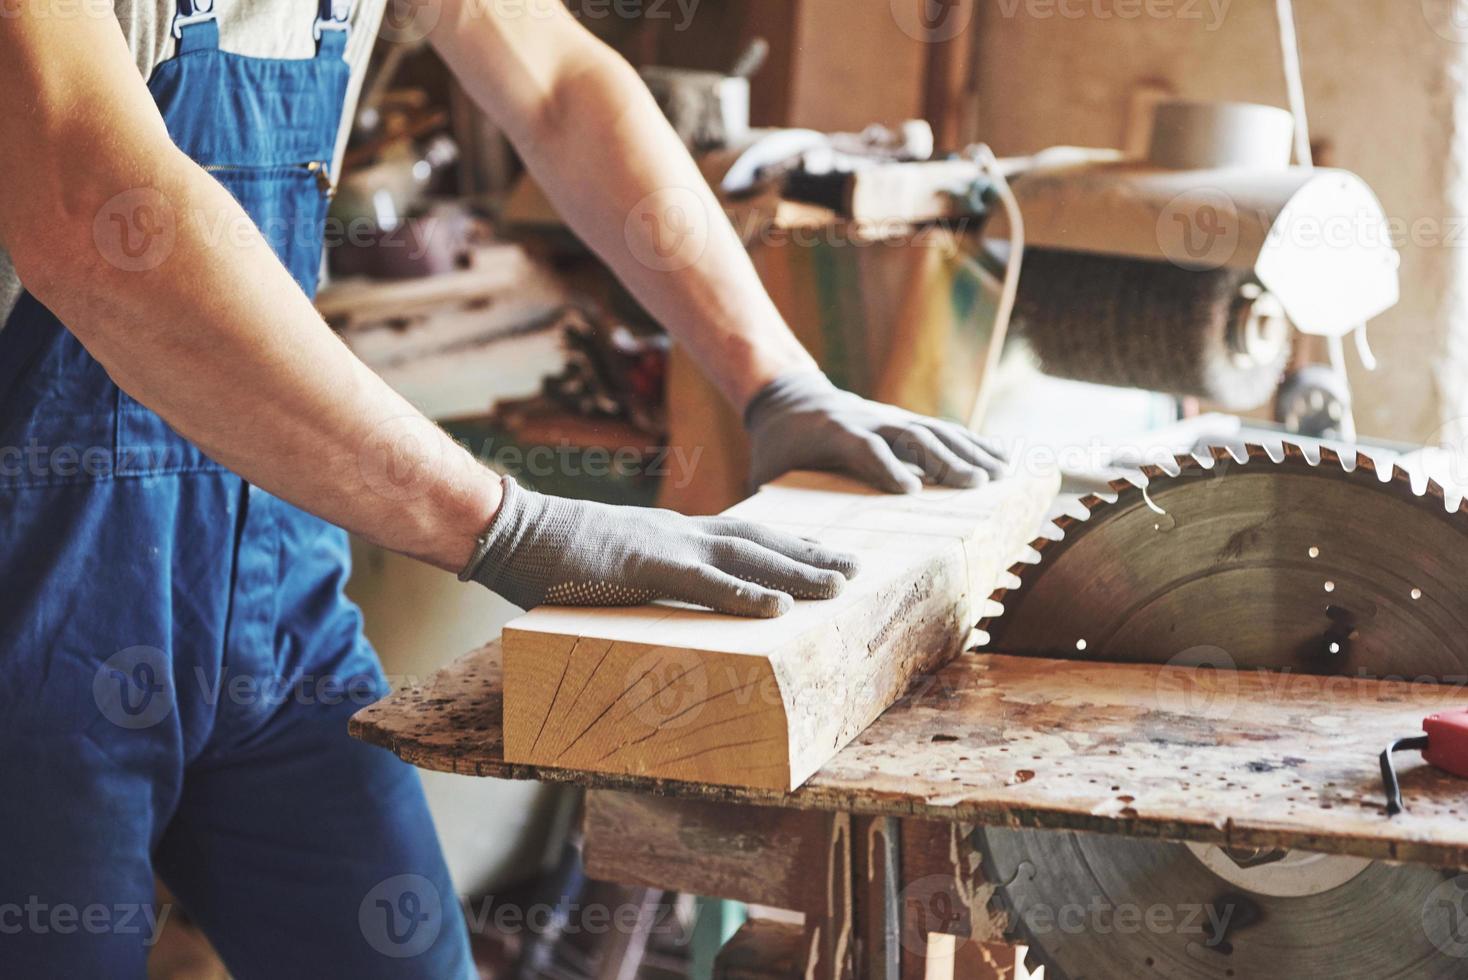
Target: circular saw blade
[1314,564]
[1253,558]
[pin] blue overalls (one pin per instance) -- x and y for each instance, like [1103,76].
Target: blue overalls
[177,660]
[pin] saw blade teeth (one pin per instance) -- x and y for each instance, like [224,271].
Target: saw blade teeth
[1199,459]
[1136,480]
[1418,481]
[1172,466]
[1050,531]
[1276,452]
[1091,502]
[1065,507]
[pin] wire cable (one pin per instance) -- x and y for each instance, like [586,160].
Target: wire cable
[991,166]
[1294,80]
[1389,772]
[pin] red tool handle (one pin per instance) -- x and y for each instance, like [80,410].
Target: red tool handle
[1447,741]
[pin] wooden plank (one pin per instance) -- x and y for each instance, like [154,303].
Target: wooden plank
[1249,759]
[944,893]
[787,859]
[682,693]
[758,855]
[876,863]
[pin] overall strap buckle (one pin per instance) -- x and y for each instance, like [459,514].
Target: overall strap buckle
[331,15]
[194,26]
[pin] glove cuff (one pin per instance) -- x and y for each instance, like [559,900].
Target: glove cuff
[506,532]
[785,392]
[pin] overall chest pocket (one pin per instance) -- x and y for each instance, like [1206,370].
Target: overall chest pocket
[286,204]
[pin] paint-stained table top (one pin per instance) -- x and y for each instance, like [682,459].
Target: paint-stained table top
[1245,759]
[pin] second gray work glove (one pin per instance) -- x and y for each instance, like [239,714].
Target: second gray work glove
[801,421]
[551,550]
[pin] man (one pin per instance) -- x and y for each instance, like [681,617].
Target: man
[181,438]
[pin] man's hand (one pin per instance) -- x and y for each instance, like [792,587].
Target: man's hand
[543,549]
[802,421]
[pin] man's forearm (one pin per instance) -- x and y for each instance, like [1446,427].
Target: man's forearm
[205,325]
[219,340]
[622,179]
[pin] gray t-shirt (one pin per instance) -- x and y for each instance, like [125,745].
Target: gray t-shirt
[257,28]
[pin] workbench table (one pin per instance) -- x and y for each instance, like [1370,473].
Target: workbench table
[1238,759]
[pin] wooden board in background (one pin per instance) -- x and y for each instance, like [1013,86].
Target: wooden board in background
[682,693]
[1247,760]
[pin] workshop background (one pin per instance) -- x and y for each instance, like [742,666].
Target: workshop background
[451,275]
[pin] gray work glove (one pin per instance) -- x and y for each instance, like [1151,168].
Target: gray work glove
[551,550]
[803,422]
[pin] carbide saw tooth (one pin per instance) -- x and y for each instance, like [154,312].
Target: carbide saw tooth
[1276,452]
[1050,531]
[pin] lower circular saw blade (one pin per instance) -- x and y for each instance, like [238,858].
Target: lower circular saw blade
[1285,559]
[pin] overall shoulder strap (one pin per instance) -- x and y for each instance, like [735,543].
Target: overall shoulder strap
[194,26]
[333,22]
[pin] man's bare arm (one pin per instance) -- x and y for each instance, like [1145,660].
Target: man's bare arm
[593,136]
[216,336]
